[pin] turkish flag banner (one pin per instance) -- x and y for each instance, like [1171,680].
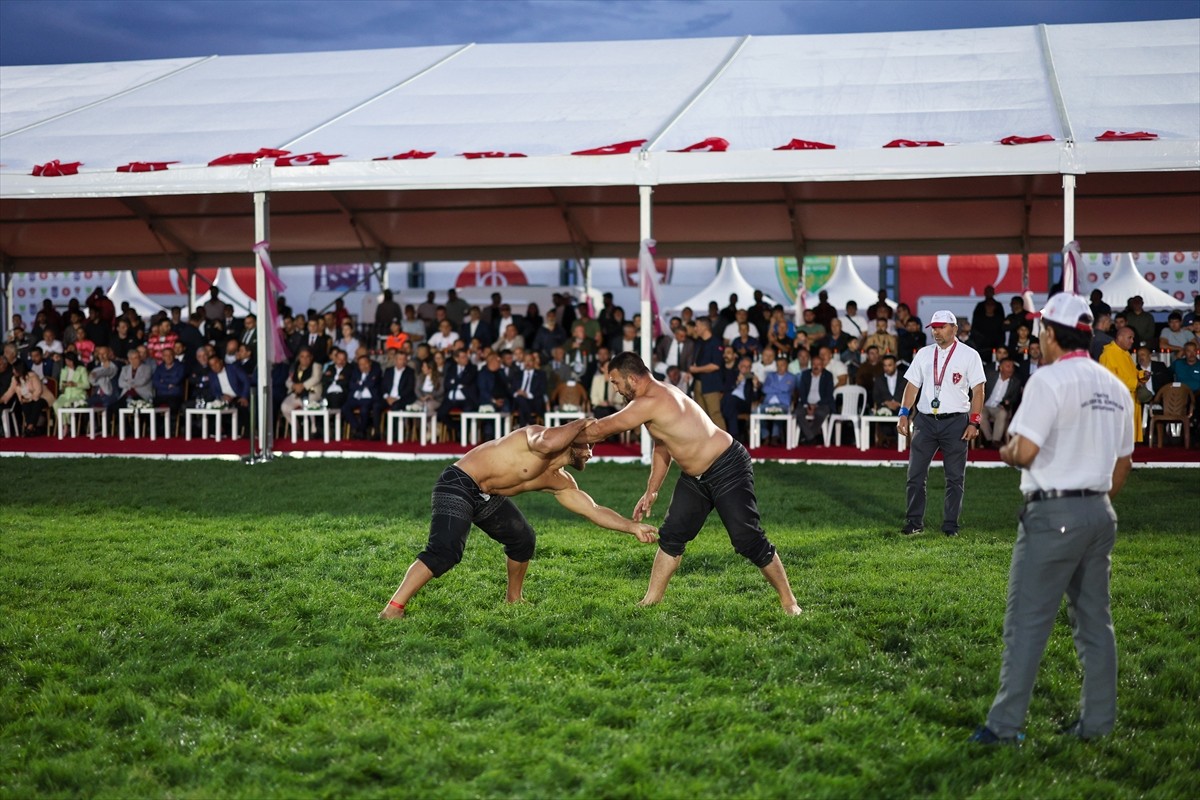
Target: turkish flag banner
[492,154]
[713,144]
[1123,136]
[306,160]
[145,166]
[804,144]
[620,148]
[240,159]
[57,169]
[411,154]
[911,143]
[1045,137]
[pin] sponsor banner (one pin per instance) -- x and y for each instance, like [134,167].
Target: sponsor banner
[32,289]
[1175,272]
[817,270]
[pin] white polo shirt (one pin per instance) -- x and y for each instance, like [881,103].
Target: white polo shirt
[962,372]
[1080,417]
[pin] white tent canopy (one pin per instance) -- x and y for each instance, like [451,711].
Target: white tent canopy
[1126,282]
[728,280]
[966,88]
[845,285]
[126,290]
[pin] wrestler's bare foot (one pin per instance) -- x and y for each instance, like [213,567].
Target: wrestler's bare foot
[792,610]
[392,611]
[514,601]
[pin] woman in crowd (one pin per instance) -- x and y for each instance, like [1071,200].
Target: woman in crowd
[33,396]
[349,344]
[429,388]
[73,383]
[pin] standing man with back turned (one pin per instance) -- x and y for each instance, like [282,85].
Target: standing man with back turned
[1073,442]
[717,473]
[950,379]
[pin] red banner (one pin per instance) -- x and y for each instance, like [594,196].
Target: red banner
[923,276]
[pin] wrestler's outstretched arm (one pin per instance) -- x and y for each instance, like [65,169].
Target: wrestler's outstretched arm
[572,498]
[555,440]
[636,413]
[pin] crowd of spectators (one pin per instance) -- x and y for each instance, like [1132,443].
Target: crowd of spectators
[451,357]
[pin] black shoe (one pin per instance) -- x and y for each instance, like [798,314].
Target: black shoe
[912,530]
[984,735]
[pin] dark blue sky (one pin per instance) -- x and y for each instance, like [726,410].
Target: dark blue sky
[72,31]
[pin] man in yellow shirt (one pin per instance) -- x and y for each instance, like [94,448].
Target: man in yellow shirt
[1117,358]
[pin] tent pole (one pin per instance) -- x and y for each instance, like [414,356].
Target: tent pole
[266,327]
[644,230]
[6,320]
[1068,209]
[191,282]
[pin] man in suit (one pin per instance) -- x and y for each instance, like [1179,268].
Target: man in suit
[365,397]
[493,390]
[228,383]
[249,333]
[474,327]
[399,385]
[676,350]
[814,400]
[740,392]
[529,392]
[887,395]
[461,384]
[1002,394]
[318,342]
[336,381]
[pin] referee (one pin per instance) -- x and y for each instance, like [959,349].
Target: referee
[950,377]
[1072,440]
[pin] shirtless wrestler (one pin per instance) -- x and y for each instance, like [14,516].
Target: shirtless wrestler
[717,473]
[477,490]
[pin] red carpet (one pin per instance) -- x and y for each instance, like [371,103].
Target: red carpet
[237,448]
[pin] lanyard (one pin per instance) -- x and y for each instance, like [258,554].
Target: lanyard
[1074,354]
[938,377]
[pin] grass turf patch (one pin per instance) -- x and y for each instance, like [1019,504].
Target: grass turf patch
[208,629]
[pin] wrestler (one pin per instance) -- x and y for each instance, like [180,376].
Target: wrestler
[717,473]
[477,489]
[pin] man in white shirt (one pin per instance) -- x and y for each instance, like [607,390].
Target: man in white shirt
[1002,393]
[1072,440]
[445,338]
[853,322]
[949,376]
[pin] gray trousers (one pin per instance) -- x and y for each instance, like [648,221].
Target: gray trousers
[1063,546]
[931,434]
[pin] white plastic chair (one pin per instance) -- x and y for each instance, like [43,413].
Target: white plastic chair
[853,404]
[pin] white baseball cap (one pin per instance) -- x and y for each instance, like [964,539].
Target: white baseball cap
[941,318]
[1068,310]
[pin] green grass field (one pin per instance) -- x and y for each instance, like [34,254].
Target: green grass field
[206,629]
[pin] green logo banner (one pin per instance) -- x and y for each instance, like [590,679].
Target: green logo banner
[817,270]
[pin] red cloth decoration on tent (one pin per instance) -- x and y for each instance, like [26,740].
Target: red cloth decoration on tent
[713,144]
[1045,137]
[1123,136]
[145,166]
[238,159]
[317,159]
[804,144]
[620,148]
[492,154]
[56,169]
[406,156]
[911,143]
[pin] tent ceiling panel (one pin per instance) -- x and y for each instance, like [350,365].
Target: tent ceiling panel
[742,222]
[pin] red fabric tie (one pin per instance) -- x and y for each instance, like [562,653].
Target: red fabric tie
[1045,137]
[803,144]
[239,159]
[1123,136]
[145,166]
[492,154]
[56,168]
[911,143]
[306,160]
[620,148]
[713,144]
[411,154]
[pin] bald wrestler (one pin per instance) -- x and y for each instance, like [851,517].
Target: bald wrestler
[717,473]
[477,489]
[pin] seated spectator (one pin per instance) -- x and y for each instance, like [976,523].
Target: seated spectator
[460,382]
[230,347]
[881,340]
[557,369]
[1022,340]
[493,390]
[411,324]
[604,399]
[473,327]
[429,388]
[529,392]
[628,341]
[580,350]
[246,361]
[744,344]
[361,409]
[780,332]
[778,389]
[834,366]
[764,365]
[335,383]
[304,385]
[509,339]
[50,343]
[814,401]
[1187,369]
[1174,337]
[1002,394]
[103,379]
[853,323]
[570,395]
[230,385]
[348,343]
[73,383]
[169,379]
[888,389]
[33,399]
[811,327]
[163,338]
[47,368]
[909,340]
[445,337]
[399,384]
[801,358]
[871,368]
[135,382]
[837,340]
[1160,374]
[680,380]
[1140,320]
